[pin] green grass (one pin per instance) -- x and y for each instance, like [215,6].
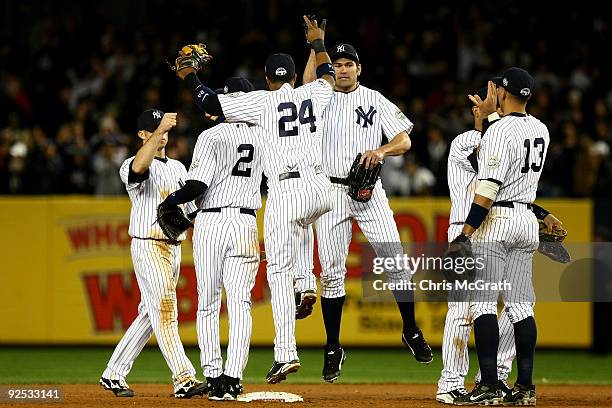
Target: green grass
[23,365]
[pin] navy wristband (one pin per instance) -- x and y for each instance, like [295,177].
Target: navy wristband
[318,46]
[476,216]
[539,212]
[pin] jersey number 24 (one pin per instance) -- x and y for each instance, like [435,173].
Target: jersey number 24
[306,116]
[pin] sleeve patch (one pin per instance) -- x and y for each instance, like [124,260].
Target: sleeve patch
[493,162]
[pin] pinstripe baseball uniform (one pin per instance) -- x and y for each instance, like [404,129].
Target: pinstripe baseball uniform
[227,158]
[512,151]
[458,323]
[156,264]
[353,123]
[299,191]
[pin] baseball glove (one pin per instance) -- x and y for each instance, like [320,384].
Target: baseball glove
[172,221]
[459,248]
[551,243]
[361,181]
[190,56]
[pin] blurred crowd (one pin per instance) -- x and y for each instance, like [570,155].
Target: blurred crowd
[74,79]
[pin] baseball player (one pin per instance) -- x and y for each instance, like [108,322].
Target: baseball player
[356,121]
[227,168]
[299,191]
[149,177]
[505,233]
[462,169]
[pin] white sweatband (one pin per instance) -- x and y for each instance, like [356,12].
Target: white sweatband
[487,188]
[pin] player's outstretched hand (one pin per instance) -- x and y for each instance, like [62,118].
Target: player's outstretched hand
[313,30]
[168,122]
[313,17]
[489,105]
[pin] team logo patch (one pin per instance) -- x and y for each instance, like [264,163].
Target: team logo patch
[280,71]
[234,94]
[194,164]
[400,115]
[368,118]
[493,162]
[525,91]
[505,81]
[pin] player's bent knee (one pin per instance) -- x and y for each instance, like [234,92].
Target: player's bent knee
[519,311]
[482,308]
[332,287]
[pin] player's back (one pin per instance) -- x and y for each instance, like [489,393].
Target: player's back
[228,159]
[292,121]
[461,175]
[516,145]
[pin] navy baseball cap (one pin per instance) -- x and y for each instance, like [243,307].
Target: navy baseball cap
[517,81]
[149,120]
[343,50]
[235,84]
[280,67]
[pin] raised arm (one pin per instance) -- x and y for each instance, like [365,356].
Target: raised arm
[315,36]
[310,72]
[144,157]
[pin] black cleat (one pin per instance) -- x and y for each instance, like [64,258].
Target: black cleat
[521,395]
[303,303]
[231,388]
[191,388]
[503,386]
[215,388]
[482,394]
[417,345]
[451,396]
[333,358]
[119,387]
[279,371]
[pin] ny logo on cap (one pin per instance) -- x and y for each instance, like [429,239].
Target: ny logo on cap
[280,71]
[340,48]
[505,81]
[157,114]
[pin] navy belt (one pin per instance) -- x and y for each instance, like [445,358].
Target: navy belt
[248,211]
[508,204]
[338,180]
[289,175]
[166,241]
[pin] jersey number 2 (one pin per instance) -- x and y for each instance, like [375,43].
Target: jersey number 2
[537,142]
[246,172]
[306,116]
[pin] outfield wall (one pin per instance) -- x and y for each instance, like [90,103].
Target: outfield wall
[68,278]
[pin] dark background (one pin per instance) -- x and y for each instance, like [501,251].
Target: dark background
[76,74]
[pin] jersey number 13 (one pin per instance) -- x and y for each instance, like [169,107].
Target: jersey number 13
[538,143]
